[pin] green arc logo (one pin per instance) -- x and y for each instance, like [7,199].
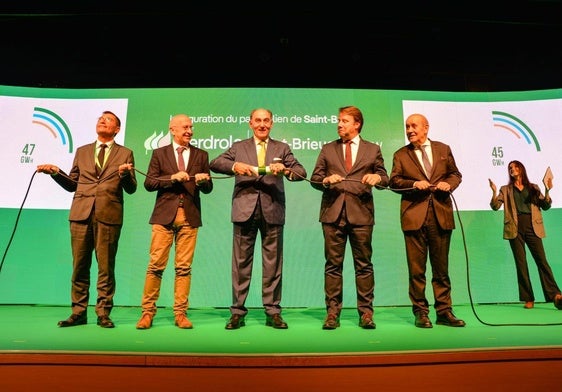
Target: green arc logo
[55,124]
[516,127]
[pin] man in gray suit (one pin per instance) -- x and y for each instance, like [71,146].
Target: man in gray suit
[424,172]
[258,205]
[96,216]
[346,170]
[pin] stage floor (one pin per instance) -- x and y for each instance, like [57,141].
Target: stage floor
[505,336]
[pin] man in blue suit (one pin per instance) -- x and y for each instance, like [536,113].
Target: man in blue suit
[258,205]
[346,171]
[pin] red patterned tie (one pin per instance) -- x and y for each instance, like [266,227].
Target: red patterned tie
[348,158]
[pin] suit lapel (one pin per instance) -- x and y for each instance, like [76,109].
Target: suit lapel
[92,160]
[414,158]
[170,156]
[251,151]
[339,153]
[191,158]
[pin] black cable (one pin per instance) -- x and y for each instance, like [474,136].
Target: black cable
[470,291]
[463,236]
[17,220]
[110,175]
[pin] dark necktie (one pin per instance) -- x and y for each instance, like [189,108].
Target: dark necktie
[101,158]
[181,162]
[348,157]
[426,163]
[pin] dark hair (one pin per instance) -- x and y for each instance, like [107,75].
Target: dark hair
[255,110]
[533,191]
[117,120]
[354,112]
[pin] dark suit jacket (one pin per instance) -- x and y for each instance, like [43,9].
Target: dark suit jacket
[104,195]
[357,197]
[406,169]
[269,189]
[510,222]
[160,169]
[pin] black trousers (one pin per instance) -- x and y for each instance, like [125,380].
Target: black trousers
[526,236]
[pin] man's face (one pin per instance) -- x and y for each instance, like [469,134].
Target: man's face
[261,123]
[106,126]
[182,130]
[416,130]
[348,128]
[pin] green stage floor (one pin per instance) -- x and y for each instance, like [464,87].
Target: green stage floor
[29,328]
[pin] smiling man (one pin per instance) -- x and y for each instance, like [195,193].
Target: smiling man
[258,206]
[424,172]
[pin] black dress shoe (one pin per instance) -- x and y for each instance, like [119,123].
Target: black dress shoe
[332,321]
[236,321]
[422,321]
[449,319]
[105,322]
[275,321]
[74,320]
[366,321]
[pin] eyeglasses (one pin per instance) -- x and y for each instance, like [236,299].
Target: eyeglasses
[185,127]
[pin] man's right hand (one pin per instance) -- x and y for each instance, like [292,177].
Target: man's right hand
[48,169]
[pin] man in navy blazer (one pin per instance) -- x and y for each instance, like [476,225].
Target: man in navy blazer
[258,205]
[347,211]
[427,220]
[96,216]
[176,217]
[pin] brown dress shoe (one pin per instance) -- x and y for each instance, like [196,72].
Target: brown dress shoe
[558,301]
[275,321]
[366,321]
[422,321]
[183,322]
[449,319]
[145,321]
[105,322]
[74,320]
[236,321]
[529,305]
[332,321]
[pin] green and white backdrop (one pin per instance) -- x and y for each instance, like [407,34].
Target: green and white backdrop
[484,130]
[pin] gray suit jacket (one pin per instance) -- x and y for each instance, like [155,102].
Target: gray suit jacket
[505,196]
[104,195]
[268,189]
[355,196]
[406,169]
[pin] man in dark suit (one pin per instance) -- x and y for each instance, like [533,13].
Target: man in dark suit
[258,205]
[176,217]
[346,170]
[96,216]
[424,172]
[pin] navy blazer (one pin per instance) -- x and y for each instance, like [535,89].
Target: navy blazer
[351,193]
[268,189]
[158,178]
